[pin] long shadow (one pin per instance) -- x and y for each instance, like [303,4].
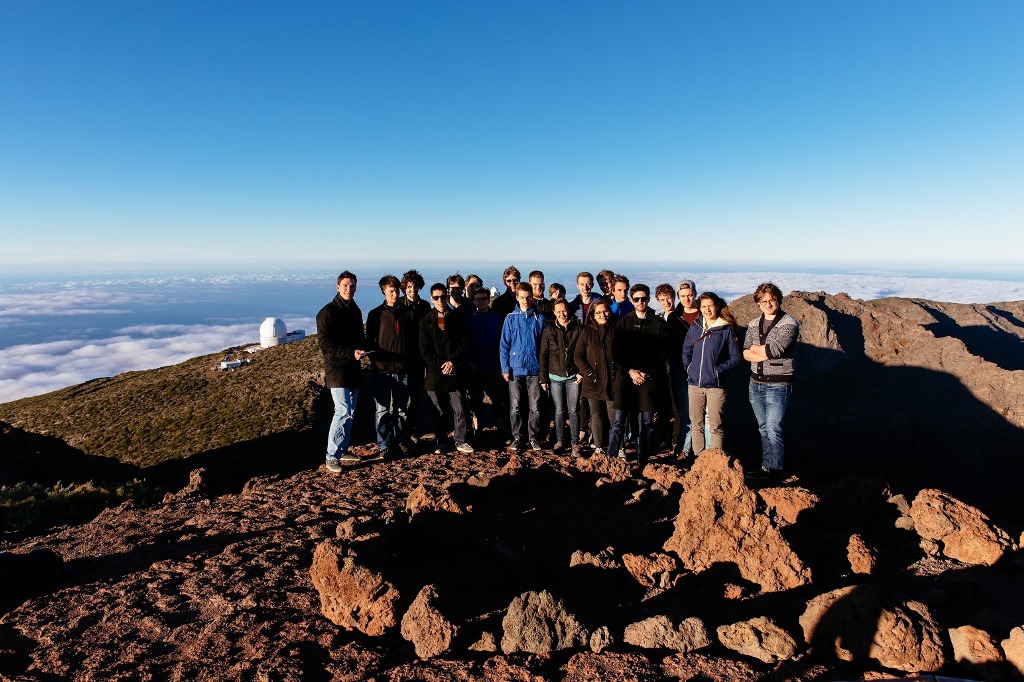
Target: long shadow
[35,458]
[990,343]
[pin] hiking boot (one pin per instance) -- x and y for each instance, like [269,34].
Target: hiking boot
[333,465]
[558,448]
[465,448]
[349,458]
[575,450]
[535,446]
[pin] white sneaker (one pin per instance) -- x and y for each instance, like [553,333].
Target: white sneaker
[464,447]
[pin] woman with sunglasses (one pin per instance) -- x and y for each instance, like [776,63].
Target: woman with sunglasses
[768,346]
[638,349]
[709,351]
[593,358]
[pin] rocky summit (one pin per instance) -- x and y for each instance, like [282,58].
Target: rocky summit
[892,549]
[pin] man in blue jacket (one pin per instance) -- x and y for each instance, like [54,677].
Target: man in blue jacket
[520,365]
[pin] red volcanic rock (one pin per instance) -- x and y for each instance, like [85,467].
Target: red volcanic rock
[658,632]
[647,569]
[862,557]
[718,521]
[1013,648]
[855,623]
[966,533]
[612,467]
[699,666]
[786,503]
[538,623]
[609,667]
[665,475]
[426,626]
[424,498]
[975,650]
[759,638]
[352,595]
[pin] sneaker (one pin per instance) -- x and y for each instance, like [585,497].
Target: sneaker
[349,458]
[514,449]
[464,447]
[599,451]
[333,465]
[558,448]
[535,446]
[575,450]
[382,453]
[622,456]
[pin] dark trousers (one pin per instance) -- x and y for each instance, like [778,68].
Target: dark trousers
[449,413]
[524,397]
[602,412]
[496,388]
[642,424]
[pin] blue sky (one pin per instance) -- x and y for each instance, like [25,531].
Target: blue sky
[271,132]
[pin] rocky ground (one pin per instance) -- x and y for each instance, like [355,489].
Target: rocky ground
[465,567]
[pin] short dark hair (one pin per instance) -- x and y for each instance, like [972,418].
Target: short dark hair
[620,278]
[511,270]
[456,279]
[476,277]
[767,288]
[389,281]
[640,287]
[606,273]
[437,286]
[665,290]
[348,275]
[555,286]
[536,273]
[413,276]
[558,302]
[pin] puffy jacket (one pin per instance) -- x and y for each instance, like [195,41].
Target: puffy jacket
[709,353]
[558,350]
[594,361]
[339,333]
[520,339]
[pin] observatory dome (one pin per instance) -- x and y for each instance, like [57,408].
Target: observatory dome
[273,332]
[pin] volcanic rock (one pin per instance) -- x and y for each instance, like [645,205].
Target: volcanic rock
[538,623]
[658,632]
[975,650]
[719,521]
[487,643]
[759,638]
[609,667]
[431,499]
[601,639]
[665,475]
[1013,648]
[855,623]
[352,595]
[861,556]
[647,569]
[612,467]
[966,533]
[195,489]
[426,626]
[786,503]
[698,666]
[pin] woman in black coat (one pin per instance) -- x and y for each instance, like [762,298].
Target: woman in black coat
[594,361]
[559,375]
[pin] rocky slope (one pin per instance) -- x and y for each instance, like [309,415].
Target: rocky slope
[892,550]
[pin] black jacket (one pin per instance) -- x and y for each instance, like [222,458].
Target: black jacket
[417,310]
[639,344]
[505,304]
[438,347]
[594,359]
[391,333]
[558,349]
[339,333]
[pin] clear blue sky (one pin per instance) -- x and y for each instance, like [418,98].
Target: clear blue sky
[229,132]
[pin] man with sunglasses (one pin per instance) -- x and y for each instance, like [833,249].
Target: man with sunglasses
[638,351]
[506,303]
[444,346]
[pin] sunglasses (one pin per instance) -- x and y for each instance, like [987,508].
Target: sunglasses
[439,297]
[641,299]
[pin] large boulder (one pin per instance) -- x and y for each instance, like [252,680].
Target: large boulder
[351,594]
[857,623]
[658,632]
[861,555]
[538,623]
[1013,649]
[759,638]
[974,650]
[650,569]
[426,626]
[966,533]
[719,521]
[787,502]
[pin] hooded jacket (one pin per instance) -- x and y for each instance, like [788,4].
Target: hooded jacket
[594,360]
[520,339]
[710,353]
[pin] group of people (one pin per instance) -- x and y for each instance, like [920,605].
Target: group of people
[605,358]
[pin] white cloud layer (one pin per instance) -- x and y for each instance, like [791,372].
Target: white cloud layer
[32,369]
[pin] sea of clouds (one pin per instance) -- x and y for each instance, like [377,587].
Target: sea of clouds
[60,333]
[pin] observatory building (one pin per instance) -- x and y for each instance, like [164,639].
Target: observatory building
[273,332]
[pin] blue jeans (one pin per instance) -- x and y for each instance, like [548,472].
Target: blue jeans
[341,425]
[517,387]
[391,396]
[566,396]
[770,402]
[645,432]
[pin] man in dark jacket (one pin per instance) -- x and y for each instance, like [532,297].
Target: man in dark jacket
[412,283]
[443,346]
[390,334]
[484,331]
[639,353]
[506,303]
[339,333]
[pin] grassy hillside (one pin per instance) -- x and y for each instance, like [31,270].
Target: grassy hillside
[144,418]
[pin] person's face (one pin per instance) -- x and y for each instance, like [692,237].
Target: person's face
[686,297]
[769,304]
[640,301]
[562,314]
[556,295]
[524,298]
[455,291]
[390,295]
[667,302]
[347,288]
[439,298]
[537,284]
[471,286]
[511,281]
[411,291]
[620,291]
[482,300]
[601,314]
[708,309]
[606,284]
[585,285]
